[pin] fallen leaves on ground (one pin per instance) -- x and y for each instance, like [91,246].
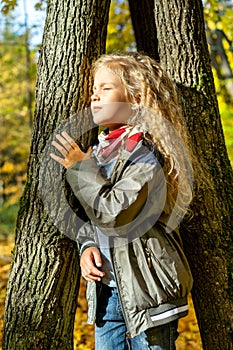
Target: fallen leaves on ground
[6,247]
[189,338]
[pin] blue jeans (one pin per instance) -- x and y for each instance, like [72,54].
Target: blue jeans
[110,328]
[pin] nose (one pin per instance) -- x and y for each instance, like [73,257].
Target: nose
[95,96]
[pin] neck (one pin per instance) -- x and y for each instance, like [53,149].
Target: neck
[112,127]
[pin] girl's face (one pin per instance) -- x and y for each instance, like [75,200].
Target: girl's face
[109,104]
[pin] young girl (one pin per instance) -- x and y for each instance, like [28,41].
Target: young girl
[135,187]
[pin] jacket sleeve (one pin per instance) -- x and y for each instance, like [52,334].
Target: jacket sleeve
[86,237]
[113,205]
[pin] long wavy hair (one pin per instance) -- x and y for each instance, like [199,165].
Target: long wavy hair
[156,107]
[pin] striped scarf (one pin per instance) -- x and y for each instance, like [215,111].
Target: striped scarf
[110,142]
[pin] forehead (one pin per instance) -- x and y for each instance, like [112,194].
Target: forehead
[104,75]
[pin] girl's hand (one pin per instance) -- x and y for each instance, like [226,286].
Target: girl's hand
[90,263]
[69,149]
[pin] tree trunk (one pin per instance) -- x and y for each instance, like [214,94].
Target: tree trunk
[221,62]
[208,237]
[144,26]
[44,279]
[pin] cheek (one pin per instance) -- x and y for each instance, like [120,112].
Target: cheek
[117,112]
[121,111]
[124,110]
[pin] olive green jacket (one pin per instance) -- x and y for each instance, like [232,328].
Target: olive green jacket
[151,271]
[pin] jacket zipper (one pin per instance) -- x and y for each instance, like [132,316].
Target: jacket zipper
[150,254]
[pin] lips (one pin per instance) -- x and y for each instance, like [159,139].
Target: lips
[96,108]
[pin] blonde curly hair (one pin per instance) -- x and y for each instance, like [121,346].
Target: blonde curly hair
[160,114]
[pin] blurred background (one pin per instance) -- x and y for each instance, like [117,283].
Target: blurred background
[21,32]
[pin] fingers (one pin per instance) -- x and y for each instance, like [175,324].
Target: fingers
[60,160]
[90,261]
[69,149]
[70,154]
[63,161]
[97,258]
[60,148]
[90,272]
[92,275]
[66,141]
[69,139]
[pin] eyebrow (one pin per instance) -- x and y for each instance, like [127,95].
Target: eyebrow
[102,84]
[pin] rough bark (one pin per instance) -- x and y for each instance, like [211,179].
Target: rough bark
[144,26]
[44,279]
[208,237]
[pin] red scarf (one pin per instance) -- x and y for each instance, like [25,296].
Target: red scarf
[110,143]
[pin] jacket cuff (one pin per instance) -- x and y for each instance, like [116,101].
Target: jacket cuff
[85,245]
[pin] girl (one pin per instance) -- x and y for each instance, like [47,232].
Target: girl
[135,187]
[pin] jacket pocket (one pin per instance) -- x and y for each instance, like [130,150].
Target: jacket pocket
[167,264]
[165,277]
